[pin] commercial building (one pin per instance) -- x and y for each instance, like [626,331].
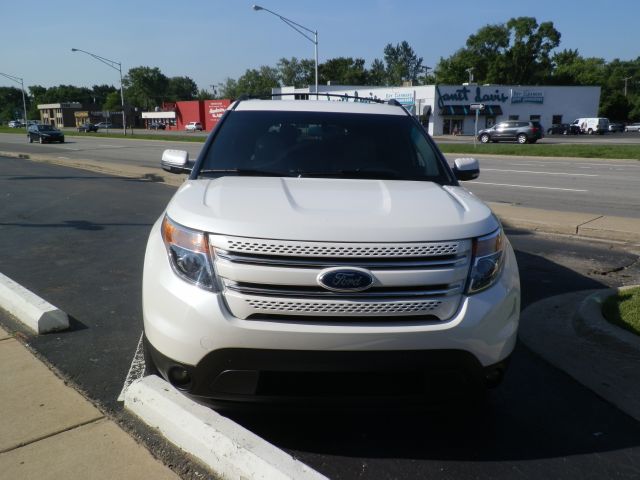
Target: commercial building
[59,114]
[175,116]
[447,109]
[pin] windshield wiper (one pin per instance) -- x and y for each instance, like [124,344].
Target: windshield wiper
[243,171]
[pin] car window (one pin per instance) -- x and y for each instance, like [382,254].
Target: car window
[502,125]
[325,144]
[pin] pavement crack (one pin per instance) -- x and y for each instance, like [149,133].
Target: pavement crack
[53,434]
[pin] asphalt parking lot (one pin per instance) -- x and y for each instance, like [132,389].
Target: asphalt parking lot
[539,424]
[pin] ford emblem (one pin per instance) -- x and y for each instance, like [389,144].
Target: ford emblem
[345,279]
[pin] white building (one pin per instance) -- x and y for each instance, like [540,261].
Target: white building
[446,109]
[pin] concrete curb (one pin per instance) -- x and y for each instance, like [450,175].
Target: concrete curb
[38,314]
[590,320]
[569,332]
[228,449]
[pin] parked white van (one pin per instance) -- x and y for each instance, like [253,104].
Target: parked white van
[592,125]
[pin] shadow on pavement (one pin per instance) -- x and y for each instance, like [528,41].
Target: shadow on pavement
[537,413]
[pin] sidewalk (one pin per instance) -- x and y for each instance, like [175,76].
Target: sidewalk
[49,431]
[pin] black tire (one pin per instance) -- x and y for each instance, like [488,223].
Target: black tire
[30,139]
[40,140]
[522,139]
[484,138]
[149,365]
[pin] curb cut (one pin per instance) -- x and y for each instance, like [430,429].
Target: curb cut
[36,313]
[227,448]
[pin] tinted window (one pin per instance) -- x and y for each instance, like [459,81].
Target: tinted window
[325,144]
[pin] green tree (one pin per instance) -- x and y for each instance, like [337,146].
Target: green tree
[229,88]
[254,82]
[402,63]
[299,73]
[146,87]
[518,52]
[10,104]
[113,102]
[377,74]
[101,92]
[343,71]
[181,88]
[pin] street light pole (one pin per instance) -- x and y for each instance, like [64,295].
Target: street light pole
[469,71]
[112,64]
[297,27]
[24,102]
[626,79]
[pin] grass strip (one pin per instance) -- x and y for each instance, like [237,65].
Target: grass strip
[623,310]
[631,152]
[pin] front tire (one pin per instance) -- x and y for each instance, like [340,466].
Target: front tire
[522,139]
[40,140]
[30,138]
[484,138]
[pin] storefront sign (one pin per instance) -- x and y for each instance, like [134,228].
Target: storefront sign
[466,94]
[526,96]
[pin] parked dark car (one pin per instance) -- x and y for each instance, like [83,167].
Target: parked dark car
[616,127]
[157,126]
[512,131]
[88,127]
[44,134]
[563,129]
[558,129]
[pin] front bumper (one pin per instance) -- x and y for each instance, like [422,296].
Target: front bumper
[192,329]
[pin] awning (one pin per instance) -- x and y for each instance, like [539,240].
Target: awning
[461,110]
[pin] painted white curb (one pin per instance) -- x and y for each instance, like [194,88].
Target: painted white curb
[229,450]
[30,309]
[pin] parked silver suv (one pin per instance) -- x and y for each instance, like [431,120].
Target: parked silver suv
[512,131]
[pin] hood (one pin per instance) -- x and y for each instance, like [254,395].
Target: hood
[340,210]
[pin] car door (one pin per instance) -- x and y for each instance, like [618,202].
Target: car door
[501,131]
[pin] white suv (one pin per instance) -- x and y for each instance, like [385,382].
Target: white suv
[193,126]
[326,250]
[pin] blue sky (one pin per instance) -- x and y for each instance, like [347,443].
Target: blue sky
[215,39]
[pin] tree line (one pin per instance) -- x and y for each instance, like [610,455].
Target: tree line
[518,52]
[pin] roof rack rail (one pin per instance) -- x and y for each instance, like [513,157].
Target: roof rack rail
[345,97]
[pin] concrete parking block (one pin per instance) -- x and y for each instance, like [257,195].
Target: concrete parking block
[35,403]
[228,449]
[99,450]
[30,309]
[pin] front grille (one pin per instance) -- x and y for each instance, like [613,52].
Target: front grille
[265,279]
[349,308]
[323,249]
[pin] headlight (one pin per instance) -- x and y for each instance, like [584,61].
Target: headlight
[486,261]
[188,254]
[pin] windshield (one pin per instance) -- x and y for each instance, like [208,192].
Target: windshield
[45,128]
[322,144]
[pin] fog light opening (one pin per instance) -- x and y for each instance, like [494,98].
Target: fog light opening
[179,377]
[494,377]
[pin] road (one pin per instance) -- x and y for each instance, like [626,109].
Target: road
[77,239]
[605,187]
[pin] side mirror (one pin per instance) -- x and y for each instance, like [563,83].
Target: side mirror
[175,161]
[466,168]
